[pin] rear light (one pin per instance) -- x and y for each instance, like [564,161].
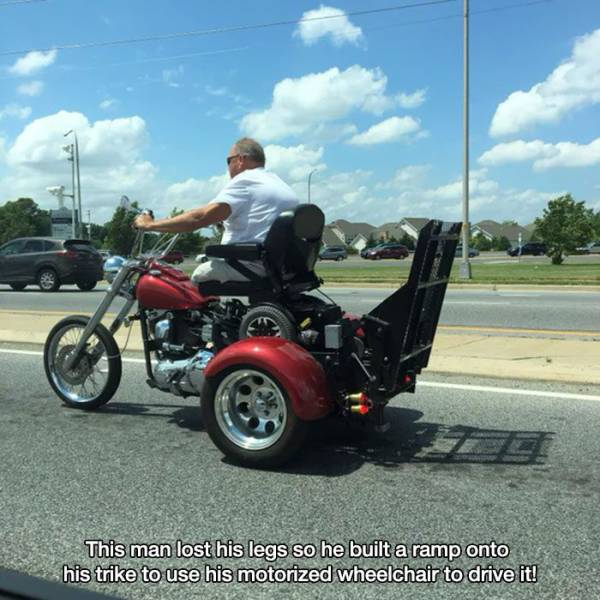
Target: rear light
[69,253]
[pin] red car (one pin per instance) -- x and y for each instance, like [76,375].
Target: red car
[174,257]
[387,251]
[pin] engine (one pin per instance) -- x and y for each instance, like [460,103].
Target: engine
[184,340]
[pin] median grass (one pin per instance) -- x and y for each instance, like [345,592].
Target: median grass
[517,273]
[587,273]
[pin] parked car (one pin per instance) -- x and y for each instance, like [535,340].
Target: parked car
[50,263]
[591,248]
[364,251]
[333,253]
[534,248]
[174,257]
[387,251]
[472,251]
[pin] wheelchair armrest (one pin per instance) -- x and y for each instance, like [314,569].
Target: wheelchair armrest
[235,251]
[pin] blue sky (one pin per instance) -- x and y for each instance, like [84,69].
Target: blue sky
[372,102]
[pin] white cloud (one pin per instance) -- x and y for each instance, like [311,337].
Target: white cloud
[328,22]
[390,130]
[544,155]
[15,110]
[300,106]
[194,192]
[32,88]
[406,178]
[110,156]
[33,62]
[108,103]
[573,84]
[413,100]
[293,163]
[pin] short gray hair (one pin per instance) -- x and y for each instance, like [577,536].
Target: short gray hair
[252,149]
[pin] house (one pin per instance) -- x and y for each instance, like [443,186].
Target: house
[330,238]
[387,231]
[413,226]
[349,232]
[491,229]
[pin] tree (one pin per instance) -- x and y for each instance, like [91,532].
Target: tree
[564,226]
[23,218]
[188,243]
[119,232]
[408,241]
[481,243]
[502,243]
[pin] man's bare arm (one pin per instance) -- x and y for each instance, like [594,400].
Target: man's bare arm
[185,222]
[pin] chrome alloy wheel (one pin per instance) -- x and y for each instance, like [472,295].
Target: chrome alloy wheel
[47,280]
[250,409]
[263,326]
[87,380]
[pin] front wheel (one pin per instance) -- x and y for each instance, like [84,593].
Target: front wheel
[248,415]
[94,379]
[48,280]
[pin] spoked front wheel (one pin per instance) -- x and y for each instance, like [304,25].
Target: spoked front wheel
[95,377]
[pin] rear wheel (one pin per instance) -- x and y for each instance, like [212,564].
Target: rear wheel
[86,286]
[18,287]
[48,281]
[248,415]
[269,321]
[94,379]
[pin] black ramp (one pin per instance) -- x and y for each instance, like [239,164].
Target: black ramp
[401,329]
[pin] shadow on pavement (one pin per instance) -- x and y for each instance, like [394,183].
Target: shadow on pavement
[336,449]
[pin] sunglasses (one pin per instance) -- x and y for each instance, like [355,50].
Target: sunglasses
[230,158]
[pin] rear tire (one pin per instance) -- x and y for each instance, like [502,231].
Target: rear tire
[18,287]
[86,286]
[48,281]
[267,320]
[249,417]
[71,386]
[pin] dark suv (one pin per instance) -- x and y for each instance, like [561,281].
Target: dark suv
[535,248]
[387,251]
[50,263]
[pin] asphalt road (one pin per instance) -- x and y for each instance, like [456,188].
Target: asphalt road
[531,309]
[458,466]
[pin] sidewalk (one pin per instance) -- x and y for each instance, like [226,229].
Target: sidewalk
[463,352]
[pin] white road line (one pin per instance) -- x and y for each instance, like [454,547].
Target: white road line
[420,383]
[511,391]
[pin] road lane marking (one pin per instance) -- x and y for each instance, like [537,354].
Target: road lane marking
[420,383]
[512,391]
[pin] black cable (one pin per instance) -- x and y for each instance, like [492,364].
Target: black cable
[222,29]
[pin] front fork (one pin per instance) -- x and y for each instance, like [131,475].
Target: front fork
[113,291]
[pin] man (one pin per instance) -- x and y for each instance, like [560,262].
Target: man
[247,206]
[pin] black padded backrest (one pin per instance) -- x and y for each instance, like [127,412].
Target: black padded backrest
[293,242]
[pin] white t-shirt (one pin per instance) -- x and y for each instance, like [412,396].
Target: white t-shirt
[256,198]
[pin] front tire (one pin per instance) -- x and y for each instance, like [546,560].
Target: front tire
[86,286]
[48,281]
[95,379]
[249,417]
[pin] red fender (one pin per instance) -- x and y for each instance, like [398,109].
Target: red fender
[302,377]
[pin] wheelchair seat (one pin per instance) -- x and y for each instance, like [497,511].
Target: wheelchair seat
[288,254]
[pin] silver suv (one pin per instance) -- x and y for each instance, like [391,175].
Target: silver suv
[333,253]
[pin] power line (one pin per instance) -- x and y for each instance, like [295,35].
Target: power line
[459,16]
[217,30]
[20,2]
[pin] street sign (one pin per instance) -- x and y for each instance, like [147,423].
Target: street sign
[62,223]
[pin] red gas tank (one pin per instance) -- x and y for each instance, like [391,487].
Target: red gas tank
[164,287]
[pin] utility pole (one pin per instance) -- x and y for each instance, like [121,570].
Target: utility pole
[89,225]
[465,267]
[76,166]
[309,177]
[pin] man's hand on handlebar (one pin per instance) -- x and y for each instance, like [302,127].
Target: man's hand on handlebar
[144,222]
